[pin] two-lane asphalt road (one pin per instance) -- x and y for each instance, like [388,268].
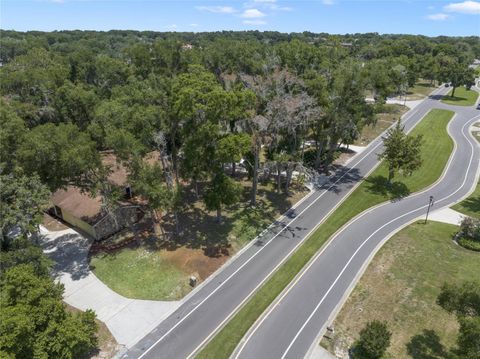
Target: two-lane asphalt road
[290,326]
[203,313]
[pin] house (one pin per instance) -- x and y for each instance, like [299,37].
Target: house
[87,212]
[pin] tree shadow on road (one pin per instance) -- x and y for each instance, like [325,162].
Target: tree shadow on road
[426,346]
[379,185]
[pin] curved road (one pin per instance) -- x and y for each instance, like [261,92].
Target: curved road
[290,326]
[203,312]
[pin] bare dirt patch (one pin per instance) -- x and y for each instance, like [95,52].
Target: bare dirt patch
[165,263]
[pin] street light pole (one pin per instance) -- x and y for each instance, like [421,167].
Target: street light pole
[430,204]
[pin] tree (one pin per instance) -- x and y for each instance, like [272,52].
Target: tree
[21,250]
[222,191]
[75,104]
[34,322]
[373,342]
[402,152]
[455,72]
[232,147]
[470,228]
[464,301]
[22,202]
[468,341]
[60,154]
[33,77]
[148,181]
[12,132]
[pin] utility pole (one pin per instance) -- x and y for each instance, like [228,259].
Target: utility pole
[430,204]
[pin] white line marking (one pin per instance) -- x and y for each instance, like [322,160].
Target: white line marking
[336,234]
[366,154]
[368,238]
[301,242]
[253,256]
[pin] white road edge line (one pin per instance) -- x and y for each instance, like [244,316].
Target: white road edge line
[365,155]
[259,321]
[253,256]
[407,117]
[366,240]
[364,267]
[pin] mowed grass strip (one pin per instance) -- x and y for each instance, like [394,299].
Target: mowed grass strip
[401,286]
[436,150]
[463,97]
[471,205]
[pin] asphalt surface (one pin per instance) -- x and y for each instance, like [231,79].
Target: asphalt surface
[292,325]
[202,314]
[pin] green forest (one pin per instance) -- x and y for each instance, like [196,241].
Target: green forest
[222,109]
[205,100]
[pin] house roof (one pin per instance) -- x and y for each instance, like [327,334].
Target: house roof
[119,175]
[80,204]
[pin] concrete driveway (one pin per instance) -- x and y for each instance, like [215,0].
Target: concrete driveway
[127,319]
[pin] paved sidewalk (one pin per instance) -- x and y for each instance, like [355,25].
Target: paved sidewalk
[447,215]
[127,319]
[320,353]
[410,104]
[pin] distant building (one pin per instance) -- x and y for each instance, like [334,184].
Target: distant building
[187,47]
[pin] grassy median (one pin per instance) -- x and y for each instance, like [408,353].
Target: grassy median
[471,205]
[436,150]
[463,97]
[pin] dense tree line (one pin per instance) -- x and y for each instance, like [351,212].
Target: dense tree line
[213,98]
[279,103]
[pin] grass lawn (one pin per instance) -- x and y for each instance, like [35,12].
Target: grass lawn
[401,285]
[437,148]
[160,270]
[463,97]
[383,120]
[471,205]
[422,89]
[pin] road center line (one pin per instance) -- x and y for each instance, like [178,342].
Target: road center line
[369,237]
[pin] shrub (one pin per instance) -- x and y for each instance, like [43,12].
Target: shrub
[34,322]
[470,234]
[373,342]
[469,244]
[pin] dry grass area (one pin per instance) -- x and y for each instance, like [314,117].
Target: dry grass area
[384,120]
[159,268]
[107,345]
[421,90]
[401,285]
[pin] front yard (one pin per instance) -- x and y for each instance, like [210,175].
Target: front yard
[150,268]
[437,145]
[401,285]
